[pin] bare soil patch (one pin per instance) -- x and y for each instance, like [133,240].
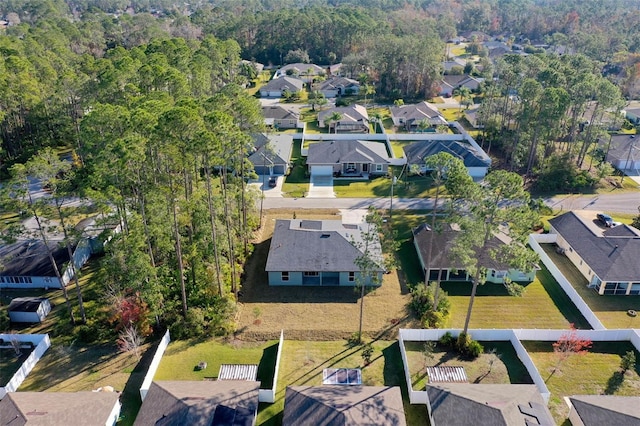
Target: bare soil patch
[314,313]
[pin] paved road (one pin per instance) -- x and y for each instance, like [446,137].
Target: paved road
[627,202]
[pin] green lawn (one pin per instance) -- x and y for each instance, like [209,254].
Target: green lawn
[10,362]
[544,304]
[610,310]
[182,356]
[507,367]
[302,363]
[296,184]
[594,373]
[407,187]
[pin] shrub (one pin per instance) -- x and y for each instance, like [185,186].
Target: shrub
[474,349]
[447,340]
[354,339]
[463,341]
[422,301]
[628,361]
[367,352]
[514,289]
[468,347]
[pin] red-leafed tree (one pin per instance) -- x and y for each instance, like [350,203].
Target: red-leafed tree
[570,343]
[132,311]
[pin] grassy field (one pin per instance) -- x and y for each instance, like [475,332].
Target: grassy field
[314,313]
[303,361]
[610,310]
[181,358]
[499,364]
[296,184]
[544,304]
[594,373]
[407,187]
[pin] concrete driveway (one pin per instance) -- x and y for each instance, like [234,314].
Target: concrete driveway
[321,187]
[262,185]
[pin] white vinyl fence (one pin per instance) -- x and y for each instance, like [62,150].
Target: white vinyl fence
[155,362]
[269,395]
[41,343]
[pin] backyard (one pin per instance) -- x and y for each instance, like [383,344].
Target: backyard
[593,373]
[10,362]
[499,364]
[610,310]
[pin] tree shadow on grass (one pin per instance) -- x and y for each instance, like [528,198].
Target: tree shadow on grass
[131,393]
[614,383]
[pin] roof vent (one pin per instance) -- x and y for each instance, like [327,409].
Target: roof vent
[325,235]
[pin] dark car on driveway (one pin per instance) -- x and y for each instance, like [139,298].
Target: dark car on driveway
[273,181]
[605,220]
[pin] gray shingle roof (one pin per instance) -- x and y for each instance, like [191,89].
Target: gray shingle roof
[276,152]
[279,113]
[25,304]
[620,147]
[335,152]
[597,410]
[316,246]
[337,82]
[613,255]
[416,153]
[177,403]
[353,113]
[57,408]
[336,405]
[477,404]
[31,259]
[416,112]
[283,83]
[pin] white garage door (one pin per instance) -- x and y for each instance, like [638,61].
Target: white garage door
[322,170]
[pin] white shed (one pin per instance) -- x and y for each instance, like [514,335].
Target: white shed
[29,309]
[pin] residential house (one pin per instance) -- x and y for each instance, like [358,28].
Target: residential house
[320,253]
[335,69]
[202,403]
[473,116]
[353,118]
[476,161]
[257,65]
[450,269]
[633,115]
[338,86]
[29,309]
[60,408]
[464,404]
[450,83]
[26,264]
[305,72]
[622,151]
[333,405]
[453,63]
[278,86]
[597,410]
[606,257]
[348,158]
[272,157]
[279,117]
[412,115]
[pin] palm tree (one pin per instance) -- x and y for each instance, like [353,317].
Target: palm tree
[334,118]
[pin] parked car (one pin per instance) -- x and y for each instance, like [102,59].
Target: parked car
[273,181]
[605,219]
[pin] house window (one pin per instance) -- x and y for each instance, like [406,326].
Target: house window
[351,167]
[352,276]
[285,276]
[27,279]
[310,274]
[501,274]
[378,167]
[635,289]
[1,279]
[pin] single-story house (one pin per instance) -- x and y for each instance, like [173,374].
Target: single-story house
[331,405]
[272,158]
[60,408]
[279,117]
[606,257]
[26,264]
[334,69]
[29,309]
[353,118]
[276,87]
[257,65]
[622,151]
[476,162]
[473,117]
[348,158]
[319,253]
[464,404]
[200,403]
[441,262]
[411,115]
[633,115]
[449,83]
[453,63]
[597,410]
[338,86]
[306,72]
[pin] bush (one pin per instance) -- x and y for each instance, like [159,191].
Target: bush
[514,289]
[467,346]
[422,300]
[474,349]
[354,339]
[628,361]
[367,352]
[447,340]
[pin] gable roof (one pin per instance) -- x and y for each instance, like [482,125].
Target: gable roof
[177,403]
[316,246]
[57,408]
[283,83]
[279,113]
[338,82]
[416,153]
[301,68]
[26,304]
[349,151]
[417,112]
[31,259]
[276,151]
[459,80]
[442,244]
[620,148]
[352,113]
[612,253]
[607,409]
[477,404]
[335,405]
